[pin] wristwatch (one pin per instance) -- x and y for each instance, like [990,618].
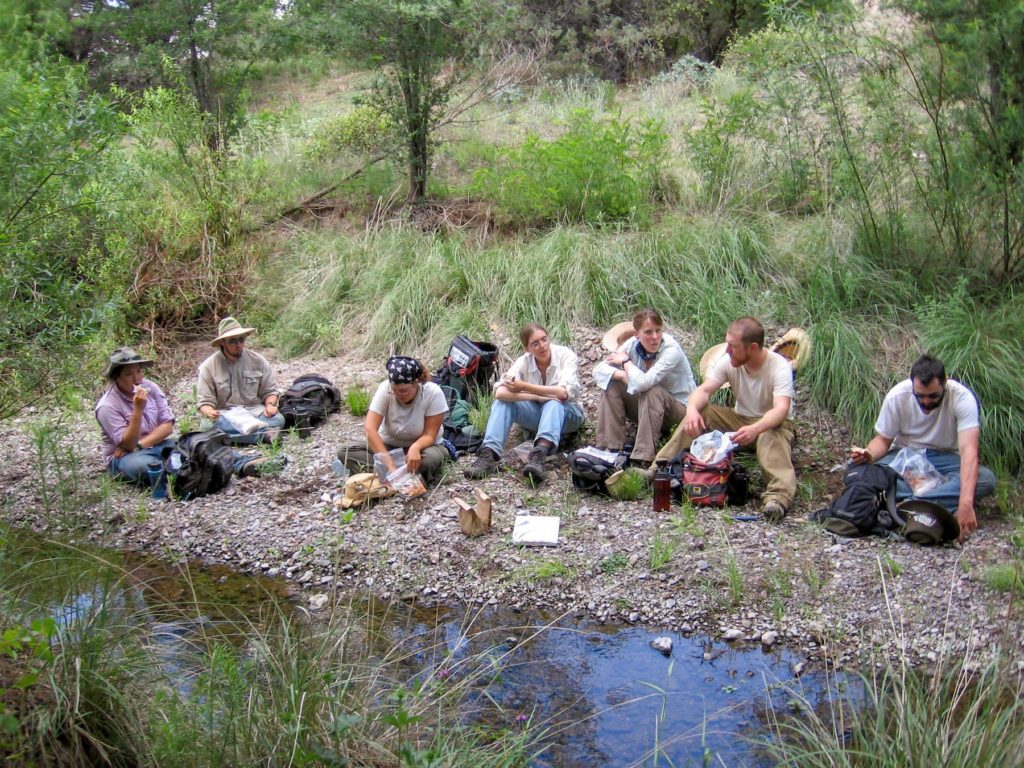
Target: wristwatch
[139,446]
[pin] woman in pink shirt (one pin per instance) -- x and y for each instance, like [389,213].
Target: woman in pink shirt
[136,420]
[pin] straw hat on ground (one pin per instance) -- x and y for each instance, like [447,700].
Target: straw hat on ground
[617,334]
[795,346]
[229,328]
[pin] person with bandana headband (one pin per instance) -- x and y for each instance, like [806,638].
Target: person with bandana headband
[647,381]
[928,411]
[406,412]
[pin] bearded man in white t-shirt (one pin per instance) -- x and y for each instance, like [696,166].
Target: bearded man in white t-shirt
[928,411]
[762,385]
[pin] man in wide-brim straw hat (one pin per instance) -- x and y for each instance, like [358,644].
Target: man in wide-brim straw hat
[135,419]
[646,379]
[235,376]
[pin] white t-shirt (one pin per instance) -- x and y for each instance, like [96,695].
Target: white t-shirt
[562,371]
[755,394]
[902,419]
[403,424]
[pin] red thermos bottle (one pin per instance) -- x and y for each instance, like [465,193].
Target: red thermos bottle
[662,487]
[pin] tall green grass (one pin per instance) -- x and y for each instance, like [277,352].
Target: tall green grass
[981,346]
[268,689]
[911,719]
[402,291]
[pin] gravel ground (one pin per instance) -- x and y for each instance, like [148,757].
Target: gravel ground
[840,600]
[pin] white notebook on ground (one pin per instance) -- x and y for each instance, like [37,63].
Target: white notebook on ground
[536,530]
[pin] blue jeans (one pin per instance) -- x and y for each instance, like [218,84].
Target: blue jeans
[235,437]
[135,466]
[549,420]
[947,494]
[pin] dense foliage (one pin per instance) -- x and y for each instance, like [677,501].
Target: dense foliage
[56,142]
[851,183]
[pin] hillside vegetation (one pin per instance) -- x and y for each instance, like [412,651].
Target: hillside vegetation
[859,179]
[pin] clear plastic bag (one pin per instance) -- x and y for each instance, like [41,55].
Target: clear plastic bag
[399,478]
[712,447]
[920,474]
[239,418]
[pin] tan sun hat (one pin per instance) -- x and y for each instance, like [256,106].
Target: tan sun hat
[229,328]
[709,358]
[362,487]
[617,334]
[795,346]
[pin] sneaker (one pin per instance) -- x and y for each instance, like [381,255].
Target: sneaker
[534,468]
[486,463]
[773,512]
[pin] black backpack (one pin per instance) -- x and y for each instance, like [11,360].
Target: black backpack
[866,505]
[308,402]
[589,471]
[469,368]
[201,463]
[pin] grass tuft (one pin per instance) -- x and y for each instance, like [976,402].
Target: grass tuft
[358,401]
[631,485]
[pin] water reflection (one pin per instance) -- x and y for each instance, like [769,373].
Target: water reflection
[609,699]
[179,611]
[601,693]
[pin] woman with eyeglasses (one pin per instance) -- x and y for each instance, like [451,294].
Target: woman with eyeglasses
[406,412]
[539,393]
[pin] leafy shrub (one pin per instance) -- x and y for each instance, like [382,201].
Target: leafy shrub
[688,70]
[717,148]
[58,220]
[598,170]
[364,129]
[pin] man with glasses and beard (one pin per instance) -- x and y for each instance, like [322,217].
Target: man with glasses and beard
[236,377]
[929,412]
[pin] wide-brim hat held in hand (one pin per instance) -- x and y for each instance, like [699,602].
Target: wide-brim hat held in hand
[123,356]
[229,328]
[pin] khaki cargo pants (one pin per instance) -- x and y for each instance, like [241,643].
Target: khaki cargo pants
[773,448]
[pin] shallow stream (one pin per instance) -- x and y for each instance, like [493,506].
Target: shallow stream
[603,695]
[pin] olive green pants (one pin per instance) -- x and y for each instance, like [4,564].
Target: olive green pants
[359,458]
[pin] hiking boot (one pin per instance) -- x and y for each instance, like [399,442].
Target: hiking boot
[486,463]
[263,466]
[773,512]
[534,468]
